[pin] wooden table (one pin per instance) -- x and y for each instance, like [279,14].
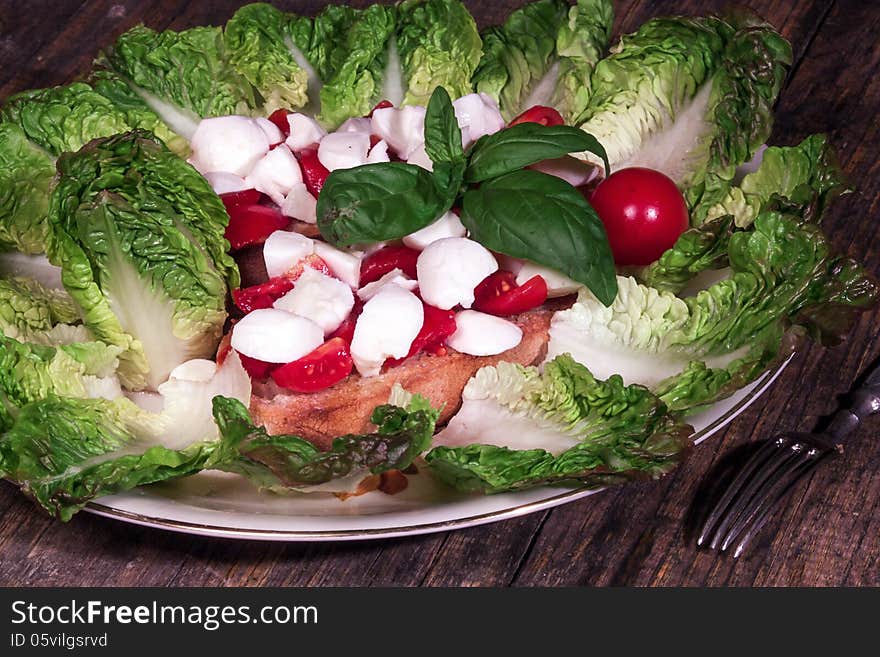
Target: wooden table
[828,535]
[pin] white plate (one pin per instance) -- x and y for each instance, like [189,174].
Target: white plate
[219,504]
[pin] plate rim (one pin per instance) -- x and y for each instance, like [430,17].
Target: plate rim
[761,384]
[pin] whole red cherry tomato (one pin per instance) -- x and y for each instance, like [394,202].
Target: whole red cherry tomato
[643,212]
[546,116]
[326,365]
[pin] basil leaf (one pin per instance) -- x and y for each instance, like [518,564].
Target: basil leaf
[516,147]
[529,214]
[377,202]
[442,134]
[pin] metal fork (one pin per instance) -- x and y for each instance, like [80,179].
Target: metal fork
[776,466]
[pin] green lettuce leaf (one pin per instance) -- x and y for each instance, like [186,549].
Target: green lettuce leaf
[64,452]
[189,70]
[783,274]
[287,462]
[30,372]
[691,97]
[439,46]
[26,175]
[801,180]
[518,428]
[29,311]
[354,83]
[544,54]
[257,40]
[139,237]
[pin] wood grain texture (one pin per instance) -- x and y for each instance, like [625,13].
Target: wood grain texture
[829,534]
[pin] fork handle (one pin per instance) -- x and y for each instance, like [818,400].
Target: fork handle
[864,401]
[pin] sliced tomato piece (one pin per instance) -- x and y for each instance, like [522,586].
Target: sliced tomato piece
[328,364]
[546,116]
[313,172]
[223,349]
[437,327]
[380,262]
[244,197]
[499,294]
[252,224]
[346,329]
[265,294]
[382,104]
[279,118]
[257,369]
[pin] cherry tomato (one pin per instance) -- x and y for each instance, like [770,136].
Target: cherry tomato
[313,172]
[279,118]
[546,116]
[438,325]
[257,369]
[382,104]
[265,294]
[328,364]
[643,212]
[380,262]
[244,197]
[252,224]
[499,294]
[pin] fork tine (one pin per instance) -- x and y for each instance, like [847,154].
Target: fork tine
[785,475]
[780,456]
[766,510]
[754,462]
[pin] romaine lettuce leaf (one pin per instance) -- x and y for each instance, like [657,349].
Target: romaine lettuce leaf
[28,310]
[26,174]
[783,274]
[189,71]
[544,54]
[257,40]
[691,97]
[288,462]
[519,428]
[137,232]
[801,180]
[30,372]
[355,65]
[439,46]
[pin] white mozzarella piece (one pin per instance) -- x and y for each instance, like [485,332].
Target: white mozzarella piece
[394,277]
[276,336]
[448,225]
[570,169]
[283,249]
[343,150]
[226,183]
[477,115]
[304,131]
[479,334]
[379,153]
[345,265]
[273,134]
[276,173]
[420,158]
[403,128]
[357,124]
[228,143]
[325,300]
[558,285]
[449,270]
[386,328]
[300,204]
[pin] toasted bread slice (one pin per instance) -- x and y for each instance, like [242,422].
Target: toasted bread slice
[346,407]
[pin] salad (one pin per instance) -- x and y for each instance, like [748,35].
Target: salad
[325,253]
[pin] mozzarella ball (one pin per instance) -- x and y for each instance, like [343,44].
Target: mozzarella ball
[448,225]
[449,270]
[228,143]
[276,336]
[325,300]
[343,150]
[479,334]
[386,328]
[283,249]
[304,131]
[276,173]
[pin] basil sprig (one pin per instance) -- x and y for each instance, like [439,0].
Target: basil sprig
[517,212]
